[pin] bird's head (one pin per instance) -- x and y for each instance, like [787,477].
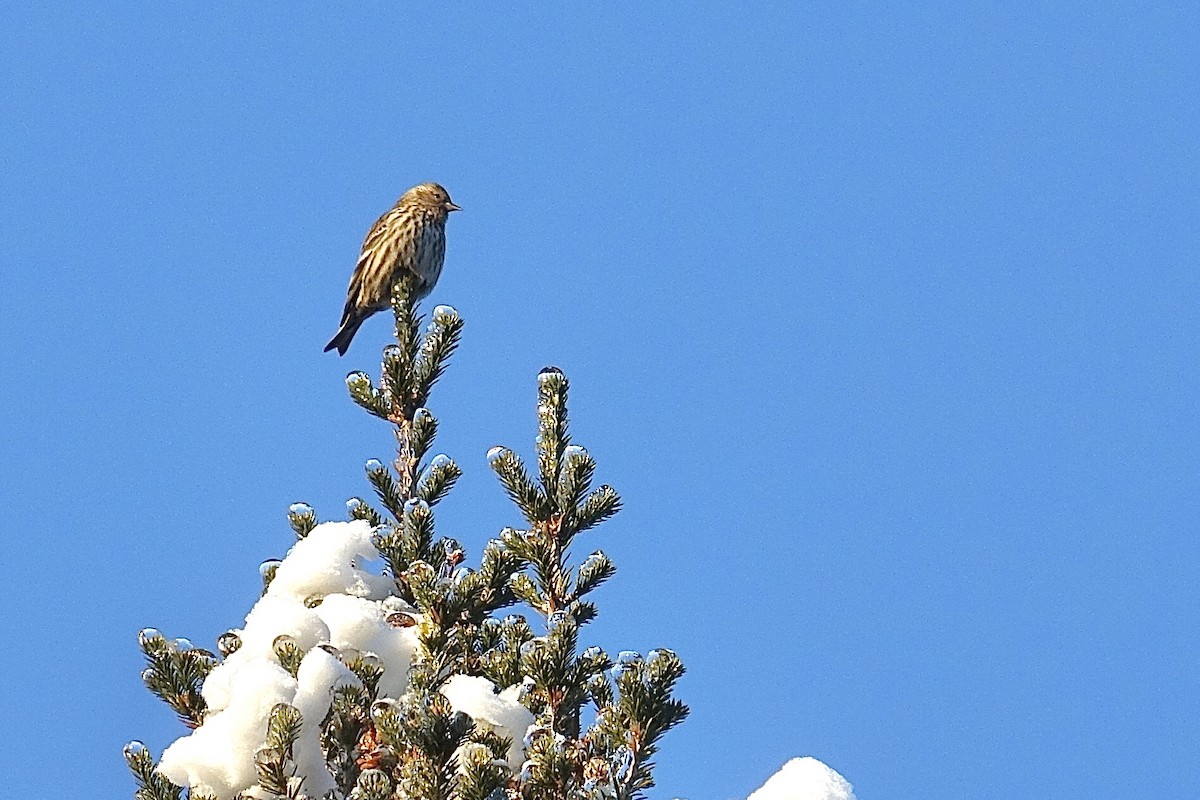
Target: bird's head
[430,195]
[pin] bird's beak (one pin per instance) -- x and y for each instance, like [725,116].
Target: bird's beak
[451,207]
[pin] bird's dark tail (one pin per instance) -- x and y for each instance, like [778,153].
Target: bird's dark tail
[341,340]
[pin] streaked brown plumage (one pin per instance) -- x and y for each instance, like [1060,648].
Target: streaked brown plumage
[411,237]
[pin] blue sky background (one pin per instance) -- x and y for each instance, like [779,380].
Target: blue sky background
[882,318]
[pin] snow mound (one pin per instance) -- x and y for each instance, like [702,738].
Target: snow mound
[502,713]
[804,779]
[325,566]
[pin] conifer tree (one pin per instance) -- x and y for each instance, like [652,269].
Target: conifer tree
[430,723]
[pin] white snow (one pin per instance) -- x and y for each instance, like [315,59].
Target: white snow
[360,624]
[329,560]
[804,779]
[502,713]
[218,757]
[319,674]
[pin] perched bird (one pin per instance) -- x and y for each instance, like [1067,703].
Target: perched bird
[409,238]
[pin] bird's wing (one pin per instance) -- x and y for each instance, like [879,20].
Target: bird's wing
[378,233]
[374,250]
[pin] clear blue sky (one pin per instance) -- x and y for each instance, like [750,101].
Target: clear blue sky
[882,318]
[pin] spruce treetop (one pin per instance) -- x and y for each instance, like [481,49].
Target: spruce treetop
[348,685]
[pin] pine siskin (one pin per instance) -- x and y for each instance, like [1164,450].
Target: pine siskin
[411,237]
